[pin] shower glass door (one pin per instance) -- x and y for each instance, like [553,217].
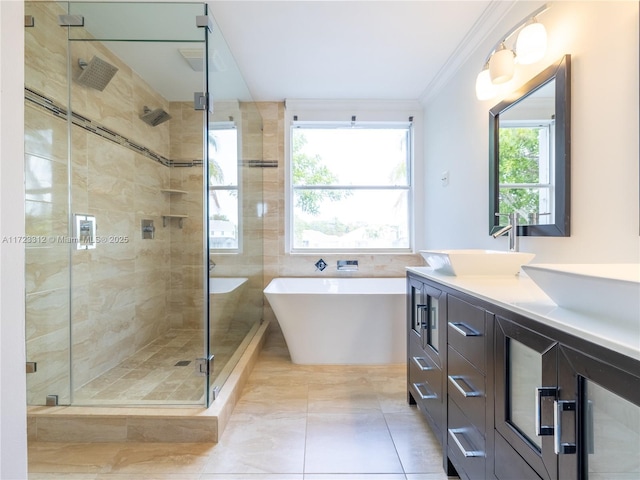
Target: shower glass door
[123,200]
[137,159]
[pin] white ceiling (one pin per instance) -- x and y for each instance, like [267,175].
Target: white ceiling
[327,49]
[345,49]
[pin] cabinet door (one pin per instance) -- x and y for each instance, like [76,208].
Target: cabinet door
[427,311]
[525,391]
[599,439]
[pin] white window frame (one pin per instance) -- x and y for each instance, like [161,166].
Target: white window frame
[229,125]
[546,150]
[337,111]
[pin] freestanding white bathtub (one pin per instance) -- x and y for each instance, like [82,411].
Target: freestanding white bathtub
[224,297]
[341,320]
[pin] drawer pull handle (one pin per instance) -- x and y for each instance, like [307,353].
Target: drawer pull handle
[470,392]
[424,396]
[463,329]
[543,392]
[559,447]
[454,432]
[422,363]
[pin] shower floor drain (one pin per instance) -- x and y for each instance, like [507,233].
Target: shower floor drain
[182,363]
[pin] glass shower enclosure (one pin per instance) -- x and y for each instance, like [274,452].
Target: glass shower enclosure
[142,203]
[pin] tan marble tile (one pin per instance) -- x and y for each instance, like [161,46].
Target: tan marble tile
[46,220]
[172,430]
[353,397]
[356,476]
[46,51]
[47,312]
[51,353]
[152,458]
[252,476]
[44,136]
[269,399]
[417,447]
[429,476]
[81,429]
[260,444]
[70,457]
[352,443]
[62,476]
[47,268]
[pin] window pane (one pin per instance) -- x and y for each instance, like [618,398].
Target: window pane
[350,156]
[341,219]
[223,155]
[533,204]
[524,154]
[223,219]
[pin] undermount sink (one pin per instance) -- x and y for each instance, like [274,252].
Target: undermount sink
[476,261]
[608,291]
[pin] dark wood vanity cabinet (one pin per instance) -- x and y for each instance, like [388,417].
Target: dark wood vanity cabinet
[582,422]
[426,348]
[512,398]
[469,387]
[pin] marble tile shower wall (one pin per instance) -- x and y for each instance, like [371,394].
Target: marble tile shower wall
[120,295]
[186,300]
[278,262]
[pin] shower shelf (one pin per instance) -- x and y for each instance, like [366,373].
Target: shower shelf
[173,190]
[179,217]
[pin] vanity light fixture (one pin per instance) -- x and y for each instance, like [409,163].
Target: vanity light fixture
[502,65]
[485,89]
[499,66]
[531,44]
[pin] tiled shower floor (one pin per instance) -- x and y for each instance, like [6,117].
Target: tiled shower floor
[162,372]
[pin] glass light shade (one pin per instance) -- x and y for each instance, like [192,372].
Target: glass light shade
[531,44]
[484,88]
[501,66]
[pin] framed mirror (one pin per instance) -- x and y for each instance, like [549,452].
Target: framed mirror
[530,155]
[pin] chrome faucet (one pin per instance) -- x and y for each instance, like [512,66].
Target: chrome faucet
[511,229]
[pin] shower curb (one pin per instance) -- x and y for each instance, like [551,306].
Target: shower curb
[147,424]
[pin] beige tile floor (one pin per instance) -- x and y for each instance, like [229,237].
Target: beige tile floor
[152,376]
[292,422]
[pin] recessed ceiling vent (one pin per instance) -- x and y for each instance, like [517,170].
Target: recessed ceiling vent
[195,59]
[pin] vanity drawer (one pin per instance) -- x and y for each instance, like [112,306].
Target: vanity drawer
[466,386]
[425,385]
[465,445]
[466,330]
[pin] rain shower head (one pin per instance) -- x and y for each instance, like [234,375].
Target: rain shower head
[154,117]
[95,74]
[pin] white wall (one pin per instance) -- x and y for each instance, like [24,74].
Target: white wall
[602,38]
[13,421]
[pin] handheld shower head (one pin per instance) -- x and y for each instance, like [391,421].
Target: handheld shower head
[154,117]
[96,74]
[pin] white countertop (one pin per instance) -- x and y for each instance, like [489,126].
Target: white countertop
[521,295]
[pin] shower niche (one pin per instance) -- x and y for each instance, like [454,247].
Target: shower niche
[111,130]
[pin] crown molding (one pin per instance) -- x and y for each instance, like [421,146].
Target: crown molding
[475,37]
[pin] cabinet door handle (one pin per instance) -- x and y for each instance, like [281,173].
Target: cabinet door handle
[424,396]
[422,363]
[470,392]
[423,308]
[542,430]
[463,329]
[559,447]
[454,432]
